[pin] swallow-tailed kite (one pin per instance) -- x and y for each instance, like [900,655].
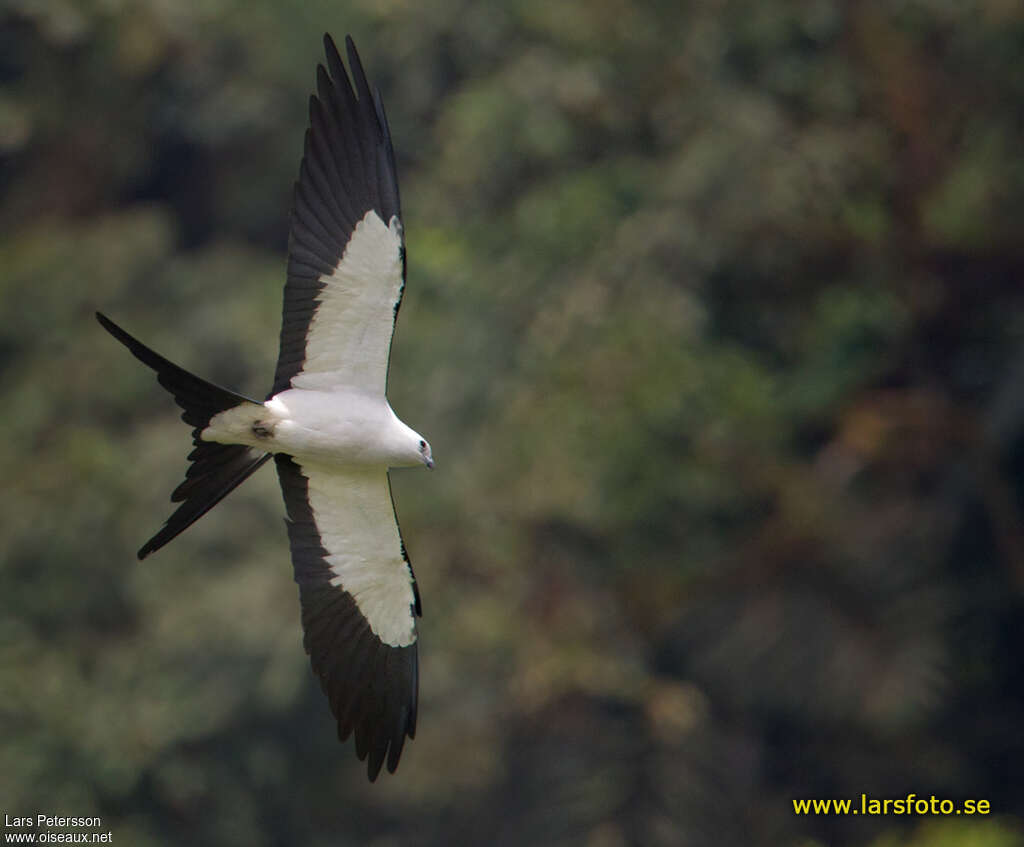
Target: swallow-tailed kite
[327,422]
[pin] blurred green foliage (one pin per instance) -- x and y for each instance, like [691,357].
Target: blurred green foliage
[715,320]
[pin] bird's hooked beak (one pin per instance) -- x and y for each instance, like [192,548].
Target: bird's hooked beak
[425,453]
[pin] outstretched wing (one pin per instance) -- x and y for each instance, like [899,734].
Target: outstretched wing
[359,602]
[346,255]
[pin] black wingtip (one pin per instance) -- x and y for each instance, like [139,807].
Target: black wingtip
[355,64]
[331,49]
[362,87]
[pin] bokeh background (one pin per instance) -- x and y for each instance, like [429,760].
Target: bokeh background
[715,320]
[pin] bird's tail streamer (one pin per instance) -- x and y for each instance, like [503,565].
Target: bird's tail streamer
[215,470]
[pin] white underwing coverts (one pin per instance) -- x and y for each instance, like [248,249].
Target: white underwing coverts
[327,422]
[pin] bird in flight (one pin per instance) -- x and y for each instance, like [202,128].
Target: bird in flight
[327,422]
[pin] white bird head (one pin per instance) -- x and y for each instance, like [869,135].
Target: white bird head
[410,448]
[425,454]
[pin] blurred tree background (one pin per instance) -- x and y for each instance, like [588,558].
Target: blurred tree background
[715,320]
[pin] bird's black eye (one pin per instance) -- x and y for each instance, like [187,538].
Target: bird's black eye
[423,444]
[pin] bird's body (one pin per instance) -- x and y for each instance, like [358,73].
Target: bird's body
[340,427]
[327,422]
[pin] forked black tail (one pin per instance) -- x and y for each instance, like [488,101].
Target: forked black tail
[215,469]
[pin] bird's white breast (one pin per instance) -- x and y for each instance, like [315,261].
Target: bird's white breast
[336,427]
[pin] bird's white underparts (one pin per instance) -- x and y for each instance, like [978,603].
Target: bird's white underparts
[327,421]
